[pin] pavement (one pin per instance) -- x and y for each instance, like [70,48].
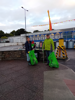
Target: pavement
[58,85]
[19,81]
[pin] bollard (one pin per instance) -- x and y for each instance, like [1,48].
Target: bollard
[62,48]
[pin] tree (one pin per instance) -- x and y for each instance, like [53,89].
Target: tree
[49,30]
[3,37]
[36,31]
[7,35]
[28,32]
[12,33]
[1,33]
[20,31]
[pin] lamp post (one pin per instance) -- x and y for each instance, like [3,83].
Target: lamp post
[25,16]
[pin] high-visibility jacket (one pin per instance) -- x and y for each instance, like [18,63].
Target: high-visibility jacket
[47,44]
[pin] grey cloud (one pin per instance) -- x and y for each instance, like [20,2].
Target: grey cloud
[13,16]
[9,27]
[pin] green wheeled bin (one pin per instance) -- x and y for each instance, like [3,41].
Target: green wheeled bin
[33,58]
[53,61]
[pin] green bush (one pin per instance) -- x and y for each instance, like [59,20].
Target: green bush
[3,37]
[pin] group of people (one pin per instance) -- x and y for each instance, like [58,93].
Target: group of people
[48,46]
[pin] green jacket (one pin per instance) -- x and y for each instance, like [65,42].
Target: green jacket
[47,44]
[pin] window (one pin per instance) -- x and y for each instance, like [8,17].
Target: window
[69,34]
[42,37]
[61,35]
[37,37]
[57,35]
[45,36]
[52,36]
[64,35]
[31,38]
[74,34]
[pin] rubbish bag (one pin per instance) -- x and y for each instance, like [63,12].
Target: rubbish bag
[33,58]
[32,45]
[53,61]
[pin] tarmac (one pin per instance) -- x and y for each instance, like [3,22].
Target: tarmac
[19,81]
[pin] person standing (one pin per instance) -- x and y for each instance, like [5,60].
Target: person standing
[40,45]
[28,48]
[48,43]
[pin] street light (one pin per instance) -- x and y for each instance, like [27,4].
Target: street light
[25,16]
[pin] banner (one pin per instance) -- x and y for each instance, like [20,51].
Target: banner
[50,26]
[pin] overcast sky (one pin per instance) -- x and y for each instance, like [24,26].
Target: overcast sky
[12,15]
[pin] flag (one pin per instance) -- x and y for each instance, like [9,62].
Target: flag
[50,25]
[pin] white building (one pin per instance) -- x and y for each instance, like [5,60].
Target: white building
[17,39]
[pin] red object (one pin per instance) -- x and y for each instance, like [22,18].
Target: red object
[32,42]
[71,85]
[50,24]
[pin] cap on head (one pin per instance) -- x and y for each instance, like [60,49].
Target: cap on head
[47,34]
[27,36]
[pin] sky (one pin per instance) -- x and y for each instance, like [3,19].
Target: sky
[12,16]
